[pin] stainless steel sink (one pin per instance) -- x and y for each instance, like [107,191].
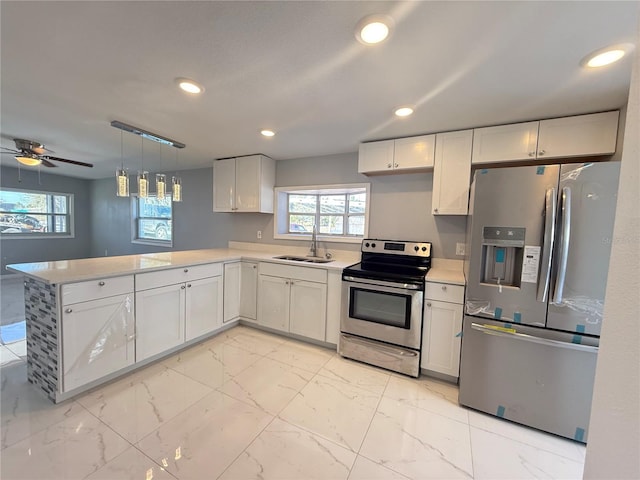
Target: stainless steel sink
[303,259]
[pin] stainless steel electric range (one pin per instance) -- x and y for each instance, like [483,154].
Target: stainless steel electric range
[382,297]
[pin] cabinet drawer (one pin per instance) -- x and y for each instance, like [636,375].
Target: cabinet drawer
[95,289]
[444,292]
[145,281]
[291,271]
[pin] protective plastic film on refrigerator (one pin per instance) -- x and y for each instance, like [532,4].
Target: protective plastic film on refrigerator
[536,277]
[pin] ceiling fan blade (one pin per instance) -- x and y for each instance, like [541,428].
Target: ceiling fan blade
[72,162]
[47,163]
[10,150]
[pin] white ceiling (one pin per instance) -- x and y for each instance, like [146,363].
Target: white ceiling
[69,68]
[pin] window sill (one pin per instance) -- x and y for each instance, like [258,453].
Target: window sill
[40,236]
[320,238]
[155,243]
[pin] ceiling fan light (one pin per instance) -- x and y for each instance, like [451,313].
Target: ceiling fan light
[29,160]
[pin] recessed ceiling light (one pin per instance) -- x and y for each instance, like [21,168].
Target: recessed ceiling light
[606,56]
[373,29]
[404,111]
[267,133]
[189,86]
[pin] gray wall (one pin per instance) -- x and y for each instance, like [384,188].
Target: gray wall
[400,209]
[45,249]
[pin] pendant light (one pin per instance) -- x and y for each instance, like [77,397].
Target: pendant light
[143,176]
[176,184]
[161,181]
[122,177]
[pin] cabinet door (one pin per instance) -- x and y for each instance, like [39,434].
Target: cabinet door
[334,306]
[273,302]
[414,152]
[452,173]
[375,156]
[203,307]
[248,184]
[505,143]
[440,337]
[248,290]
[582,135]
[232,288]
[308,309]
[159,320]
[224,185]
[97,339]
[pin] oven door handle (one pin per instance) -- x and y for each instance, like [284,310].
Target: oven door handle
[382,283]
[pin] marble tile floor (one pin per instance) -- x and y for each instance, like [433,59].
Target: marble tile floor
[250,405]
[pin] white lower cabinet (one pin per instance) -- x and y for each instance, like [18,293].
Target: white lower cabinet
[97,339]
[248,290]
[169,315]
[441,339]
[293,299]
[232,289]
[203,307]
[160,320]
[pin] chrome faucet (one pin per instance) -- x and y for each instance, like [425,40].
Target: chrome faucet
[313,251]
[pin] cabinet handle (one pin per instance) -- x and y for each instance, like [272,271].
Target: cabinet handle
[189,285]
[68,310]
[435,210]
[101,284]
[254,267]
[541,152]
[429,304]
[182,287]
[388,165]
[287,282]
[131,337]
[532,154]
[395,165]
[186,270]
[444,287]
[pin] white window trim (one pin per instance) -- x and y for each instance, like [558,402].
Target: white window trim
[280,211]
[134,228]
[44,236]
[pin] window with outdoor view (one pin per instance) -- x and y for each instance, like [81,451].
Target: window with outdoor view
[152,220]
[29,214]
[339,212]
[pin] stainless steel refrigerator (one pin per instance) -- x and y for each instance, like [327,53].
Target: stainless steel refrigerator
[539,240]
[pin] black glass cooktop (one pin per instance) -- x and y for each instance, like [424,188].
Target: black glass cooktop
[388,272]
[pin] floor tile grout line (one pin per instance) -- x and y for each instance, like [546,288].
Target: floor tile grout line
[364,437]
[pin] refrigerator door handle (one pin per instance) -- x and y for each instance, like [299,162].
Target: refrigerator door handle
[565,234]
[549,236]
[491,330]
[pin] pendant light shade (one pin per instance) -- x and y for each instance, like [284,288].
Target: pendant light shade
[176,189]
[143,184]
[122,183]
[161,185]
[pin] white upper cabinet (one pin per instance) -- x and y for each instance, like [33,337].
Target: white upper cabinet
[244,184]
[451,173]
[582,135]
[403,154]
[505,143]
[577,136]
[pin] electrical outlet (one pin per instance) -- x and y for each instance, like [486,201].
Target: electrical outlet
[460,249]
[259,234]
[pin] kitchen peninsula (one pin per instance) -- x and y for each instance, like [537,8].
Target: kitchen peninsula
[91,320]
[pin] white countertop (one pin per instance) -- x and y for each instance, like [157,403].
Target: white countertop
[67,271]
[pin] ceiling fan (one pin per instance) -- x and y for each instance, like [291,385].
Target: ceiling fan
[31,154]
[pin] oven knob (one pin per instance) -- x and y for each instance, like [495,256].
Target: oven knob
[416,248]
[366,244]
[424,249]
[373,245]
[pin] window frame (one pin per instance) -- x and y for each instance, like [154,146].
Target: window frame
[282,214]
[70,215]
[135,217]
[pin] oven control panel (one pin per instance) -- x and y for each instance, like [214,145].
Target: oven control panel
[395,247]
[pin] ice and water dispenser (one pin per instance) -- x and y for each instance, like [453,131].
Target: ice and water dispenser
[502,254]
